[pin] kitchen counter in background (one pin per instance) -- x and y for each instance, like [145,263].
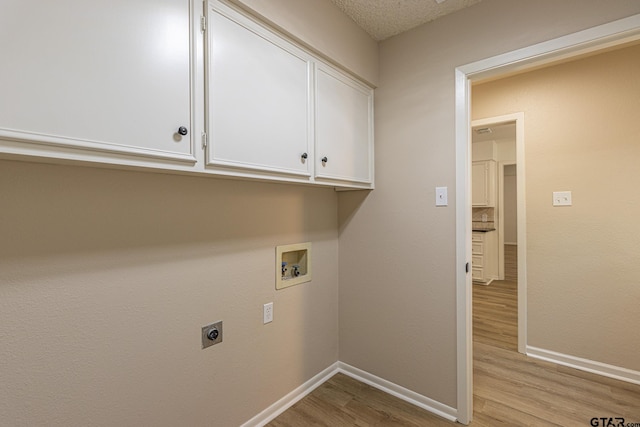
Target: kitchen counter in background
[483,226]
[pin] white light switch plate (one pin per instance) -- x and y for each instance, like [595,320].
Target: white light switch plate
[441,196]
[562,198]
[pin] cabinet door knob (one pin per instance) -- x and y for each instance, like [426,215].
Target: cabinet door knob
[324,159]
[304,155]
[182,130]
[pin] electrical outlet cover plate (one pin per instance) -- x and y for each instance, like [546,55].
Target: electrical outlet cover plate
[206,342]
[562,198]
[267,313]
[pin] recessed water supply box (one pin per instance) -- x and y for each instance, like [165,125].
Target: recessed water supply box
[293,264]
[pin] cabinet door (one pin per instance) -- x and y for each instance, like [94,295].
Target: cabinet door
[479,184]
[258,97]
[477,248]
[344,128]
[483,184]
[109,76]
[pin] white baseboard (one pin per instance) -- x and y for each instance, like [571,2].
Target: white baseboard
[266,416]
[587,365]
[400,392]
[270,413]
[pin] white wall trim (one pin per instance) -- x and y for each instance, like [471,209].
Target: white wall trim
[286,402]
[587,365]
[270,413]
[400,392]
[602,36]
[464,324]
[624,30]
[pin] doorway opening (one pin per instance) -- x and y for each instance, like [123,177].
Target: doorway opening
[495,142]
[581,43]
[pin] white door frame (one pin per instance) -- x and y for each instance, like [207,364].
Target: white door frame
[596,38]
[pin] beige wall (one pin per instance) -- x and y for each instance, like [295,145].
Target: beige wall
[107,276]
[582,124]
[397,250]
[506,150]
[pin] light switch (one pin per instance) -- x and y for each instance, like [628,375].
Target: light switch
[562,198]
[441,196]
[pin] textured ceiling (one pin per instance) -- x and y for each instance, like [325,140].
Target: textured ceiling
[385,18]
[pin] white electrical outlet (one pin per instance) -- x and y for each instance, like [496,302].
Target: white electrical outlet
[562,198]
[267,313]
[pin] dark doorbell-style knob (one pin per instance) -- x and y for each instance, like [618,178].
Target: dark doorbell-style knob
[213,334]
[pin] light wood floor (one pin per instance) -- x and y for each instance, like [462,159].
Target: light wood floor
[510,389]
[495,314]
[511,262]
[343,401]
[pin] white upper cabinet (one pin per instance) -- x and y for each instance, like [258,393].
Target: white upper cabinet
[483,184]
[177,85]
[259,98]
[277,111]
[344,128]
[101,78]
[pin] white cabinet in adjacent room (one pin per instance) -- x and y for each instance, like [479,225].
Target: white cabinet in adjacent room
[344,128]
[484,256]
[259,98]
[97,78]
[483,185]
